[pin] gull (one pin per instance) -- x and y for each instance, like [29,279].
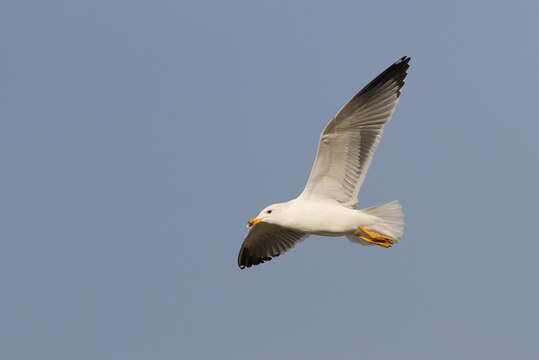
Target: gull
[327,205]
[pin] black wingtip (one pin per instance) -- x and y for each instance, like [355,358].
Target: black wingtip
[396,72]
[243,258]
[404,59]
[246,258]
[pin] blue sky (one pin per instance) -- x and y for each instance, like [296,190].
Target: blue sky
[137,137]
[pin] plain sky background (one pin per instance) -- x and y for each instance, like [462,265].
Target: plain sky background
[137,137]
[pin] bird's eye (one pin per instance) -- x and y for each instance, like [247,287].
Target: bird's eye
[269,211]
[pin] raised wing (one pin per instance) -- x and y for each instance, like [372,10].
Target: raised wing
[266,241]
[348,142]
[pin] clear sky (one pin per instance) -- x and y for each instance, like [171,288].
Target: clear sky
[137,137]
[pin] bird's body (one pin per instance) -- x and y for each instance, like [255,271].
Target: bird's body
[323,217]
[327,205]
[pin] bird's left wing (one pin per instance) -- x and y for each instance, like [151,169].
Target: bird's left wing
[348,142]
[266,241]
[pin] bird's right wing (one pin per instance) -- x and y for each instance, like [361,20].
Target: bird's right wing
[266,241]
[348,142]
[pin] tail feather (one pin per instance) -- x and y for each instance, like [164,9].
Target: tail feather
[391,221]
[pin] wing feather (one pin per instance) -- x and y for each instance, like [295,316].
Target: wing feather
[266,241]
[348,142]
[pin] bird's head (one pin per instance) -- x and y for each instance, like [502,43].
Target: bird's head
[271,214]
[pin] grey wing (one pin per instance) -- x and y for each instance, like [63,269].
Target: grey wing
[266,241]
[348,142]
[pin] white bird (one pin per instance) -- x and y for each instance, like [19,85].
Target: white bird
[327,205]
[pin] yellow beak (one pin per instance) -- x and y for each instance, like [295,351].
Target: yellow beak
[253,222]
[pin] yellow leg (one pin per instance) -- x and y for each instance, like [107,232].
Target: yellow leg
[375,238]
[374,235]
[379,243]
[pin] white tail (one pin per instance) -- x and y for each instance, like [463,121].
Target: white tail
[391,221]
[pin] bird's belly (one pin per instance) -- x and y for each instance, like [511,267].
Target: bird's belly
[329,233]
[330,223]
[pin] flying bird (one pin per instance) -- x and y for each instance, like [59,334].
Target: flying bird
[327,205]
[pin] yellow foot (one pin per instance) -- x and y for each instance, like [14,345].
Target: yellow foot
[375,242]
[375,238]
